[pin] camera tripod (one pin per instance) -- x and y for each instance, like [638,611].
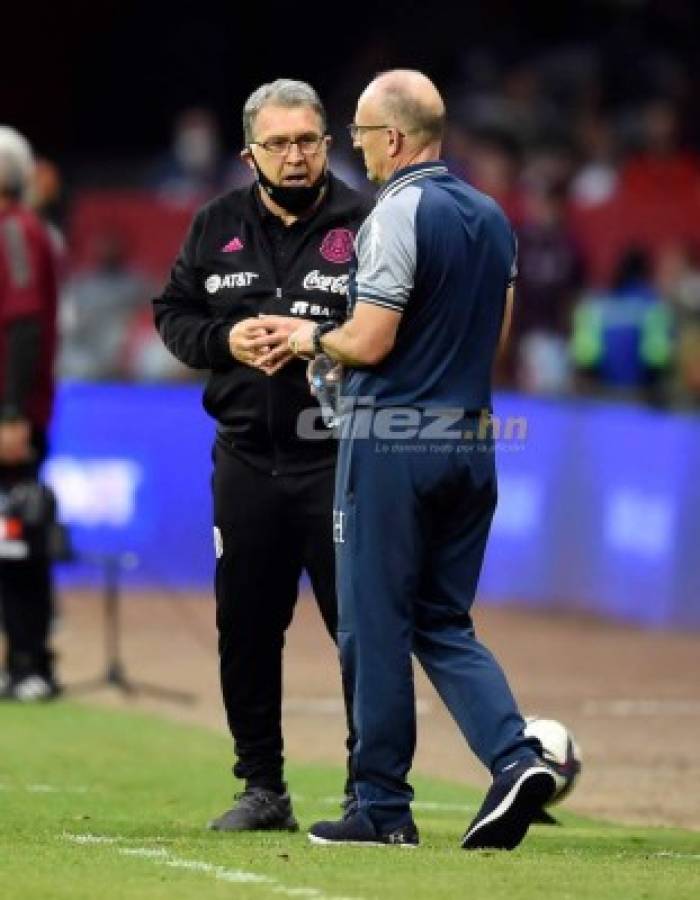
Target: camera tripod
[113,565]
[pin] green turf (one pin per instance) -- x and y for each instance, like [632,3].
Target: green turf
[149,785]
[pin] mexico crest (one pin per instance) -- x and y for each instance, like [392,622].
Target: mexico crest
[337,245]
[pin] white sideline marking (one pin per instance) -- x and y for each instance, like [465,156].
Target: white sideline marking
[53,789]
[45,788]
[668,854]
[623,708]
[425,805]
[164,857]
[90,839]
[435,806]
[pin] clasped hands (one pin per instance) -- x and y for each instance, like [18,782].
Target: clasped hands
[268,342]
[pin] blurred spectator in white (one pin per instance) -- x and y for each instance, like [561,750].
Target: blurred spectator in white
[678,280]
[550,275]
[146,357]
[623,340]
[195,168]
[548,167]
[597,177]
[96,312]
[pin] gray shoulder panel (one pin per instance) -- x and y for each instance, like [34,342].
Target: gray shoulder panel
[17,253]
[386,250]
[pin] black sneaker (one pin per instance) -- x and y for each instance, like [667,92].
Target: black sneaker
[513,802]
[357,828]
[544,817]
[258,809]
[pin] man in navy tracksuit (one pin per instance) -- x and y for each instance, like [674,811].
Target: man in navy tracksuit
[416,480]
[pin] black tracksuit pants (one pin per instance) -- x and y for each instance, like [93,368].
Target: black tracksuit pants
[270,528]
[26,592]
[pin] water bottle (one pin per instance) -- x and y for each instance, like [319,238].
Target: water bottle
[326,378]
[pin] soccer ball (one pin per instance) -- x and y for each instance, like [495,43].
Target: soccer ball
[559,750]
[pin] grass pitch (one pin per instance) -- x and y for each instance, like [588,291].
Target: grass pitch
[97,804]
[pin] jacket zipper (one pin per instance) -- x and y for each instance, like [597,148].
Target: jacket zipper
[279,295]
[275,456]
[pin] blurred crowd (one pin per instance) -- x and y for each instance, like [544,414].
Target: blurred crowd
[604,195]
[602,183]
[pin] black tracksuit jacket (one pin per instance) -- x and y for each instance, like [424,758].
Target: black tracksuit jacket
[225,273]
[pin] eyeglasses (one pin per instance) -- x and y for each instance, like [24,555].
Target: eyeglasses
[308,144]
[356,130]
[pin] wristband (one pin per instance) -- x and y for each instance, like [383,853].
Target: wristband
[318,333]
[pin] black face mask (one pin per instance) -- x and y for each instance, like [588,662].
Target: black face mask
[295,200]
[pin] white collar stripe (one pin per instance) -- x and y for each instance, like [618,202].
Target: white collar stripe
[413,175]
[410,177]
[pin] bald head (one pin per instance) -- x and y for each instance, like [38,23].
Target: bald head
[409,100]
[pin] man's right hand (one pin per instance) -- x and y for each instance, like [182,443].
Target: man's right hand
[241,340]
[15,442]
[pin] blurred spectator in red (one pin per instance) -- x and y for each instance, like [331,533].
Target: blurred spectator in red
[678,279]
[597,177]
[623,340]
[550,275]
[195,168]
[96,311]
[662,165]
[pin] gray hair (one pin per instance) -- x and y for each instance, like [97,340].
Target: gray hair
[283,92]
[16,161]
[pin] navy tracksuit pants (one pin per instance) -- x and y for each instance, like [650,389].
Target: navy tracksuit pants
[411,521]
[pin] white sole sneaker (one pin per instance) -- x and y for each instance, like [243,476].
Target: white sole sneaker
[504,827]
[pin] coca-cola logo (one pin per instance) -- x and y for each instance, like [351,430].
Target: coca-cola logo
[329,284]
[337,245]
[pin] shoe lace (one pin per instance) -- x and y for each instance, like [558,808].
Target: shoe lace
[350,807]
[252,797]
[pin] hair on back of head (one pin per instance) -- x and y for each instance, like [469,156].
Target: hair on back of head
[413,115]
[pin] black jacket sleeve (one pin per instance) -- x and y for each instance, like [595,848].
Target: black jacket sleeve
[181,314]
[22,357]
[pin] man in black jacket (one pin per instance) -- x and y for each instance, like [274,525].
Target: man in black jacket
[260,261]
